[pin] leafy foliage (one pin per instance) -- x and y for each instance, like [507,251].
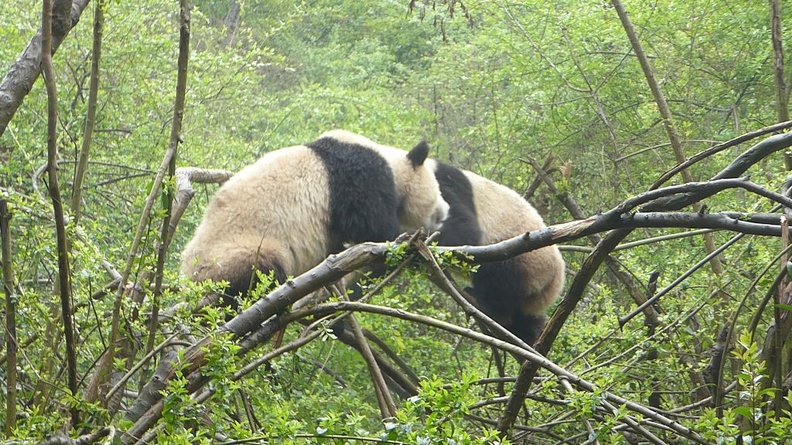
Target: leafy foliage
[528,79]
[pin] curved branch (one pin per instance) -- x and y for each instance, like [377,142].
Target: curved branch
[737,168]
[731,221]
[717,149]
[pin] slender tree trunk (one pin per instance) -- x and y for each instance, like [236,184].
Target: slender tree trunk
[10,318]
[662,104]
[782,106]
[166,231]
[782,99]
[232,21]
[93,90]
[64,274]
[776,364]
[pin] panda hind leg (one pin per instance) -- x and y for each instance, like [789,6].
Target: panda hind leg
[240,270]
[491,306]
[527,326]
[502,308]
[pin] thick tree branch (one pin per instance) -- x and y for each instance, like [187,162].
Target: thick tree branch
[719,148]
[560,233]
[737,168]
[26,69]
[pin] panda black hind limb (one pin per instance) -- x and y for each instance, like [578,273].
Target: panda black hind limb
[288,211]
[515,292]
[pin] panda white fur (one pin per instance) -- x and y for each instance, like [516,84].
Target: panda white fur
[294,206]
[515,292]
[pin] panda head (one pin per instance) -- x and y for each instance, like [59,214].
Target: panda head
[422,203]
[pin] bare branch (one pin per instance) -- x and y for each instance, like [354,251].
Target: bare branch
[717,149]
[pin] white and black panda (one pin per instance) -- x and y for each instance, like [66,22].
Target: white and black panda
[294,206]
[515,292]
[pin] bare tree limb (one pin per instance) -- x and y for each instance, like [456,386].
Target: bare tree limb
[185,177]
[719,148]
[386,404]
[165,233]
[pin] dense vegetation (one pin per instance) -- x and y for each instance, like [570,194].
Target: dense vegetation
[513,91]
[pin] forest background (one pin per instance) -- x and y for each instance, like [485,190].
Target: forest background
[574,104]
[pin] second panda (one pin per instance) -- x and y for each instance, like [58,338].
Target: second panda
[515,292]
[293,207]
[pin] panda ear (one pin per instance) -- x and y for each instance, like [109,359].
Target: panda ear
[418,154]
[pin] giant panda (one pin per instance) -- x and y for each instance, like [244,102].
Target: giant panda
[285,213]
[515,292]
